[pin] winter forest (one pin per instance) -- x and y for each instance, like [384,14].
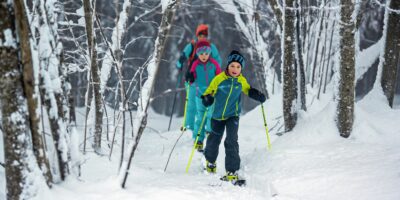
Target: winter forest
[94,99]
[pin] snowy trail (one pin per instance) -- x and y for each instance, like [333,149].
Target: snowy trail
[311,162]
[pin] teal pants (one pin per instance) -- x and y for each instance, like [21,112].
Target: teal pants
[201,109]
[191,106]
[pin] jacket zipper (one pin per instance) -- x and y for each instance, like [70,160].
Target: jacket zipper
[227,100]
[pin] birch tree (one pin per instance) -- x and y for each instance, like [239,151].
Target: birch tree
[32,91]
[52,80]
[345,98]
[392,52]
[147,88]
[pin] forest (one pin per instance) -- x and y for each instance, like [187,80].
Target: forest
[92,104]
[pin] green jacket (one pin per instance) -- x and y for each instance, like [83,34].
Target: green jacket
[227,92]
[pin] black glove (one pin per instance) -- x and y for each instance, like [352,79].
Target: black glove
[207,100]
[189,77]
[256,95]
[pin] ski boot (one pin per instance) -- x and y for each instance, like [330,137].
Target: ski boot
[233,178]
[230,176]
[211,167]
[199,146]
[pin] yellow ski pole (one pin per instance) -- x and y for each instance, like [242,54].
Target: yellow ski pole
[195,142]
[265,125]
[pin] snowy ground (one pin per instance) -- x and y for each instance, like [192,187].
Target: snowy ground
[311,162]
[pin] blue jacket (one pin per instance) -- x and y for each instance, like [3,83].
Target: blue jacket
[204,73]
[187,51]
[227,92]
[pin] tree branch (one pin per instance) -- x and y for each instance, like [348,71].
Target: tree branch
[277,11]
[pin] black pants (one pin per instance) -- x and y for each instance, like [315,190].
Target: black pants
[232,159]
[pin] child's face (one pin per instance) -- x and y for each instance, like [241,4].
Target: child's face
[201,36]
[204,57]
[234,69]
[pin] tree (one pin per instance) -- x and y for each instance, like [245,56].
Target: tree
[289,72]
[31,90]
[392,52]
[146,90]
[300,62]
[52,79]
[95,78]
[288,65]
[18,160]
[345,98]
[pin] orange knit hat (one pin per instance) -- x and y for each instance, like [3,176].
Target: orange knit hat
[202,29]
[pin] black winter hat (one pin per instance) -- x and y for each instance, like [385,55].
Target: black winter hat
[235,56]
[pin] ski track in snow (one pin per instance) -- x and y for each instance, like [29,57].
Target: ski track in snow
[311,162]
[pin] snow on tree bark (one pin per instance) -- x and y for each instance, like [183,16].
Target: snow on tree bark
[52,81]
[19,165]
[392,53]
[289,73]
[147,89]
[300,61]
[95,78]
[286,21]
[277,11]
[345,107]
[30,89]
[321,22]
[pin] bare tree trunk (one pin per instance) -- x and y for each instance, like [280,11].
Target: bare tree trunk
[88,8]
[323,58]
[392,50]
[31,90]
[147,89]
[51,106]
[345,109]
[300,59]
[277,11]
[289,72]
[88,100]
[329,56]
[15,128]
[317,48]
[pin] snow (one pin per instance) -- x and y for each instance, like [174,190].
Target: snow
[164,4]
[311,162]
[9,39]
[367,57]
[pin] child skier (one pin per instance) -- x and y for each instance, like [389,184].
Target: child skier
[189,54]
[202,72]
[226,89]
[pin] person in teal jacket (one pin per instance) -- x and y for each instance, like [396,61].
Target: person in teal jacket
[226,88]
[189,55]
[202,72]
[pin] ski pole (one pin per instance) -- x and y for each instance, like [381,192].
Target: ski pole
[265,125]
[183,128]
[195,142]
[173,104]
[169,157]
